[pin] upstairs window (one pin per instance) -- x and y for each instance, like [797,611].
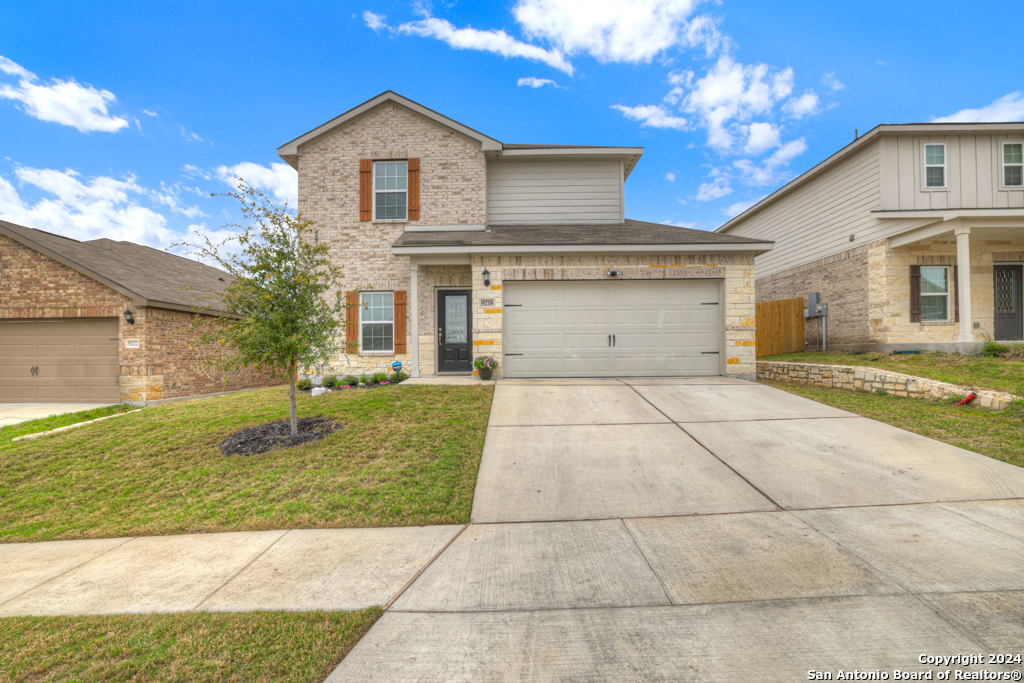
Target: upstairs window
[1013,164]
[377,321]
[935,165]
[935,293]
[390,190]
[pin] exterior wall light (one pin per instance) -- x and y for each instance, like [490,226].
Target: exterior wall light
[129,318]
[613,273]
[487,277]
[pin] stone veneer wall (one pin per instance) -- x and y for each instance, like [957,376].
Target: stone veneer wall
[736,270]
[855,378]
[842,281]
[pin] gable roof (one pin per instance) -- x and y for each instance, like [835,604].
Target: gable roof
[866,139]
[289,151]
[630,236]
[149,277]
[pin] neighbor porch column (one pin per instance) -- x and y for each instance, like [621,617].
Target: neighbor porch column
[963,287]
[414,294]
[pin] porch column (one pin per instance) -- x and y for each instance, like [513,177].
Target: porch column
[414,293]
[963,287]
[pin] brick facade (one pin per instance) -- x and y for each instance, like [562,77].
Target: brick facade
[169,362]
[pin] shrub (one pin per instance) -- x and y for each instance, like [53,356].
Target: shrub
[363,379]
[398,377]
[380,377]
[304,384]
[994,350]
[330,382]
[350,380]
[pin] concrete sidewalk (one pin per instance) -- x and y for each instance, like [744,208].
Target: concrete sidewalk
[16,413]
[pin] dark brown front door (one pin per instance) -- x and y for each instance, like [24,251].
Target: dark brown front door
[1009,303]
[454,331]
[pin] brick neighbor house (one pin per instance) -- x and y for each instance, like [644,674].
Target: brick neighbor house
[913,234]
[102,321]
[455,245]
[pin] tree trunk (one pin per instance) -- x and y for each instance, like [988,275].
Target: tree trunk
[291,398]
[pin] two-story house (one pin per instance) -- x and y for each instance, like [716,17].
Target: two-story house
[455,245]
[913,234]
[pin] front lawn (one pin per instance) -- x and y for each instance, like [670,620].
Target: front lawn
[999,434]
[406,456]
[298,647]
[978,372]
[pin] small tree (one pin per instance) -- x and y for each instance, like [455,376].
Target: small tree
[281,312]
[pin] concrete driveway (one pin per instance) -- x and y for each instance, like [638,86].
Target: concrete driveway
[16,413]
[708,530]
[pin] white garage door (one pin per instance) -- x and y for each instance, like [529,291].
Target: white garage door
[639,328]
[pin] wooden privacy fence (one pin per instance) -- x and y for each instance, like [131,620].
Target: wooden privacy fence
[780,326]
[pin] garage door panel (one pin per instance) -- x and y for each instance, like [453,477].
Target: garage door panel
[660,326]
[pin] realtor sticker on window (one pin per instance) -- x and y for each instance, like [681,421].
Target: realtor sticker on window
[131,343]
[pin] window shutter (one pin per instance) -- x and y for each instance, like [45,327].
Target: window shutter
[915,294]
[365,190]
[352,322]
[399,322]
[414,190]
[956,291]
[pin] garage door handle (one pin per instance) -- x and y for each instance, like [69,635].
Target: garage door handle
[710,303]
[613,340]
[710,352]
[513,354]
[609,340]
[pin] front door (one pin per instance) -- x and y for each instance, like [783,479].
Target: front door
[454,332]
[1009,303]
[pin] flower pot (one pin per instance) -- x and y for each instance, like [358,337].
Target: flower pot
[485,373]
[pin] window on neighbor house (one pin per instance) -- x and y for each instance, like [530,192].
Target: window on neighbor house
[376,321]
[1013,164]
[935,293]
[935,165]
[390,190]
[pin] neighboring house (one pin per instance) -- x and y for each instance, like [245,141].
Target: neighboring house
[913,234]
[102,321]
[455,245]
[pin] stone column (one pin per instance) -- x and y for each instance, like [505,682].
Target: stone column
[414,301]
[963,287]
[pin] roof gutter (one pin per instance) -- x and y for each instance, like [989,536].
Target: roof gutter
[745,247]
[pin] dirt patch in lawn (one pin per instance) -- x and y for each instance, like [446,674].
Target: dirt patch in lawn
[267,437]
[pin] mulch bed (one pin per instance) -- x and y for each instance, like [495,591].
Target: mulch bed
[267,437]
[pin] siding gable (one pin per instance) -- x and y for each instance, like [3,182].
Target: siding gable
[565,190]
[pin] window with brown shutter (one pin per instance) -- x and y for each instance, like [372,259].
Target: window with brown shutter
[915,294]
[352,322]
[365,189]
[399,322]
[414,190]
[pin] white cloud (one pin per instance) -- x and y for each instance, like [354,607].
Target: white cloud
[770,170]
[625,31]
[191,171]
[805,105]
[495,41]
[1006,108]
[66,102]
[670,176]
[736,209]
[535,82]
[681,224]
[761,137]
[681,201]
[280,180]
[190,136]
[149,113]
[653,115]
[169,195]
[716,189]
[374,21]
[834,84]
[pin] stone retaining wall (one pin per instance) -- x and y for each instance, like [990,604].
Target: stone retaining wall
[871,380]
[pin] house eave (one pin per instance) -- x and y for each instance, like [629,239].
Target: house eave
[745,247]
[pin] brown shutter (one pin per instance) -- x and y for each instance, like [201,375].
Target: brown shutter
[352,322]
[365,190]
[915,294]
[399,322]
[956,290]
[414,191]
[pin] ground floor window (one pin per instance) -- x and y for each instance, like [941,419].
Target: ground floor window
[377,321]
[935,293]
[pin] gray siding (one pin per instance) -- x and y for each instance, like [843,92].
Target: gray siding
[562,190]
[974,173]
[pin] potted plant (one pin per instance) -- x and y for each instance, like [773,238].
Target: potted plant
[485,366]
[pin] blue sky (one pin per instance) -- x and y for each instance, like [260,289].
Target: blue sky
[118,119]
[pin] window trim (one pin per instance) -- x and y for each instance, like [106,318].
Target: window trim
[944,165]
[1003,164]
[948,294]
[374,191]
[362,307]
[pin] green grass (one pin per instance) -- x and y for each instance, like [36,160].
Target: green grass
[998,434]
[54,421]
[978,372]
[290,647]
[406,456]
